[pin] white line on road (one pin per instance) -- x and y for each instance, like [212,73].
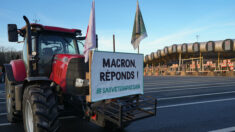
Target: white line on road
[5,124]
[197,95]
[194,103]
[180,89]
[182,86]
[229,129]
[161,82]
[181,82]
[2,114]
[190,79]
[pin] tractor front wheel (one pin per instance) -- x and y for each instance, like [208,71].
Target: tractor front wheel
[40,112]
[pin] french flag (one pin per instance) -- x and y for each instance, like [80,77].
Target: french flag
[90,41]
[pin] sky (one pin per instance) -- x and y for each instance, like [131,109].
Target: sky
[167,21]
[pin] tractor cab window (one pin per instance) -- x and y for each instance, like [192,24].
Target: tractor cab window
[33,43]
[25,53]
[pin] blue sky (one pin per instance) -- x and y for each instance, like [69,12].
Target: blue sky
[167,21]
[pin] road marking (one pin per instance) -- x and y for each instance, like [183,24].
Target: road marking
[182,86]
[171,81]
[185,77]
[189,78]
[2,98]
[67,117]
[229,129]
[2,114]
[194,103]
[2,102]
[170,90]
[197,95]
[5,124]
[182,82]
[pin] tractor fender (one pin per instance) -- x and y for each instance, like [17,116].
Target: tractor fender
[18,69]
[31,80]
[9,72]
[20,88]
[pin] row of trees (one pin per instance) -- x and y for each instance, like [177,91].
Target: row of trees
[8,54]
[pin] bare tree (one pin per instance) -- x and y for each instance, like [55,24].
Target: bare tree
[8,54]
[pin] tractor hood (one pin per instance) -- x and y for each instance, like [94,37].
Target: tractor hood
[66,68]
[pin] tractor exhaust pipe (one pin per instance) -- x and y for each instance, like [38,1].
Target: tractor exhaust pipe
[29,43]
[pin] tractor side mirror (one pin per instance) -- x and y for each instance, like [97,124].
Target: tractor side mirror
[81,38]
[12,33]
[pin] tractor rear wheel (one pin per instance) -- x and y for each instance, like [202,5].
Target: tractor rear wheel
[40,112]
[12,114]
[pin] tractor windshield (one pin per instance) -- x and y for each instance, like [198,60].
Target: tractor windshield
[56,44]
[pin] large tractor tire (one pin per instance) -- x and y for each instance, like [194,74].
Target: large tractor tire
[40,113]
[12,115]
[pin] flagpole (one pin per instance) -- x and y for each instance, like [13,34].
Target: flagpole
[138,49]
[91,38]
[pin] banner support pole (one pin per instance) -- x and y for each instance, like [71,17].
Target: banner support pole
[88,76]
[138,49]
[113,43]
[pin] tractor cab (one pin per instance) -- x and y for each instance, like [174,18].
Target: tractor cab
[45,43]
[51,53]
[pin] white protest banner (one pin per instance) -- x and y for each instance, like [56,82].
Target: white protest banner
[116,75]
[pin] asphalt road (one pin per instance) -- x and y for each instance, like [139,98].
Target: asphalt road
[185,104]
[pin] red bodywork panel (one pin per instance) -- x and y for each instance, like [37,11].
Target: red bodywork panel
[59,68]
[59,29]
[18,69]
[52,28]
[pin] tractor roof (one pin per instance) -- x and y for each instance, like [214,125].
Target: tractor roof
[39,27]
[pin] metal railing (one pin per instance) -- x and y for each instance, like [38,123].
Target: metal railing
[127,109]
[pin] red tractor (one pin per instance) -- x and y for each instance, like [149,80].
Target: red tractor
[42,86]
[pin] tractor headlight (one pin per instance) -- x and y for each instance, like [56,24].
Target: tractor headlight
[81,82]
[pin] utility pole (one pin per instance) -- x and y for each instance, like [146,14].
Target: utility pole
[179,62]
